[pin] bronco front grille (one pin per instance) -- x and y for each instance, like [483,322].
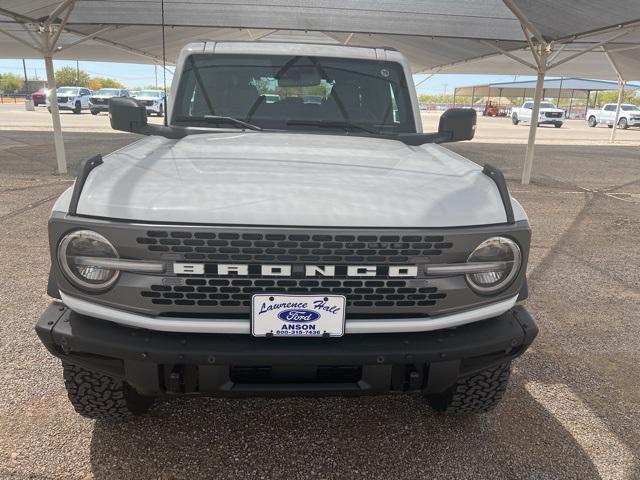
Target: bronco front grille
[257,247]
[237,292]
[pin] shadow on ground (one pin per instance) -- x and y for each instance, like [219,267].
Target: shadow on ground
[33,152]
[337,438]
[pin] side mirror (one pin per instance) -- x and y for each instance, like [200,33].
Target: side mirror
[457,124]
[127,114]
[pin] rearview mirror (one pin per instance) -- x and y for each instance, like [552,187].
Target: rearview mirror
[457,124]
[127,114]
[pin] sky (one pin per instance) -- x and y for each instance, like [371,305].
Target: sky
[133,75]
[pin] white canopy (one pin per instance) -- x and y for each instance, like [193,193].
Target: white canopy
[479,36]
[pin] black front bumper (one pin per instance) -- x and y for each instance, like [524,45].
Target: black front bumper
[157,363]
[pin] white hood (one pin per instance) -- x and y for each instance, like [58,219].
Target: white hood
[262,178]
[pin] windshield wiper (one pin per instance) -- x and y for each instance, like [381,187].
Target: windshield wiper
[331,124]
[218,119]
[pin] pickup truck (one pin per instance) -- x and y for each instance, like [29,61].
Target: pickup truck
[549,114]
[629,116]
[261,244]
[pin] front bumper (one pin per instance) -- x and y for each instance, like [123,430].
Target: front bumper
[545,120]
[99,107]
[153,108]
[158,363]
[64,106]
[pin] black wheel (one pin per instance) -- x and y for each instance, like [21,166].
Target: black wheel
[94,112]
[623,124]
[49,109]
[161,111]
[514,119]
[557,124]
[592,121]
[477,393]
[77,108]
[95,395]
[610,126]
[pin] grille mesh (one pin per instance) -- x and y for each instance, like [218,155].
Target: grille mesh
[257,247]
[237,292]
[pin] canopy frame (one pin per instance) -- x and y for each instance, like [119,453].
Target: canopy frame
[544,48]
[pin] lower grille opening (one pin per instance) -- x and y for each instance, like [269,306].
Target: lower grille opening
[291,374]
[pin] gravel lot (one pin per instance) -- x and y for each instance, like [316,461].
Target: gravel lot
[572,411]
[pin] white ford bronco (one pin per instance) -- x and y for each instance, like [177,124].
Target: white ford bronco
[289,230]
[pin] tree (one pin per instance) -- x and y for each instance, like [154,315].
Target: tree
[10,82]
[612,97]
[96,83]
[68,77]
[153,87]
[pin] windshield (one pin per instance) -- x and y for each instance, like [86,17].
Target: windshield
[547,105]
[295,92]
[630,108]
[149,93]
[109,91]
[67,91]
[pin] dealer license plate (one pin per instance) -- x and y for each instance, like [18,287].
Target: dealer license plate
[297,315]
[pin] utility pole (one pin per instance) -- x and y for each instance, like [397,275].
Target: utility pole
[77,73]
[26,82]
[156,69]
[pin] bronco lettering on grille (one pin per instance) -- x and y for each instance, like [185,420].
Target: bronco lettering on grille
[267,270]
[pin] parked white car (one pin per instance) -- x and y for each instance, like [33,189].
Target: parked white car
[549,114]
[629,116]
[75,99]
[153,100]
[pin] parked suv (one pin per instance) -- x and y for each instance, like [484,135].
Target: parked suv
[259,245]
[75,99]
[153,100]
[100,101]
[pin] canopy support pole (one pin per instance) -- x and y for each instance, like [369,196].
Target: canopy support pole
[535,113]
[55,117]
[570,104]
[473,96]
[586,108]
[621,84]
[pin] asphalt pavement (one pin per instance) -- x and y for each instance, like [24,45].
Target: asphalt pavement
[572,410]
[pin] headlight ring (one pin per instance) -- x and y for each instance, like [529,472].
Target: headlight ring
[87,243]
[495,249]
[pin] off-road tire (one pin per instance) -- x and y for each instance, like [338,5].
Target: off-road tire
[99,396]
[474,394]
[592,121]
[514,119]
[77,108]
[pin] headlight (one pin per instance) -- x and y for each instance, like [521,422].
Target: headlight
[73,251]
[502,251]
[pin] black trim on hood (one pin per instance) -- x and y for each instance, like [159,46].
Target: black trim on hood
[497,176]
[83,172]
